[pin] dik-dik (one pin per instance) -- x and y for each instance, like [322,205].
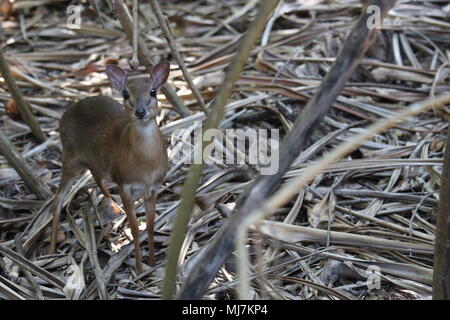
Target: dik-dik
[118,143]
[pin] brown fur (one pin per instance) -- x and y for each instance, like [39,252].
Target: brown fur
[101,135]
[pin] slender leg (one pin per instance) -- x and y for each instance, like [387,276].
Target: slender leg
[128,203]
[112,209]
[150,213]
[101,184]
[70,170]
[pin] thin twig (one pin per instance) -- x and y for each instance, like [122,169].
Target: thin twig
[144,56]
[165,28]
[284,194]
[91,248]
[21,103]
[28,275]
[25,171]
[296,140]
[33,268]
[192,182]
[134,63]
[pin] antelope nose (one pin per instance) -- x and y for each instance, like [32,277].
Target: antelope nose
[140,113]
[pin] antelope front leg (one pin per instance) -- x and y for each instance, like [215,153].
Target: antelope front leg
[128,203]
[150,212]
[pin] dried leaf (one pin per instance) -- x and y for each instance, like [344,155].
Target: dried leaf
[322,213]
[75,282]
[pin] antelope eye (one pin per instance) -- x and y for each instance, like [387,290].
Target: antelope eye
[125,94]
[153,92]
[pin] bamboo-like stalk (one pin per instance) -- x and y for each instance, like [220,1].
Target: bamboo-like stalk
[134,60]
[295,141]
[441,272]
[21,103]
[284,194]
[37,290]
[215,116]
[32,267]
[91,247]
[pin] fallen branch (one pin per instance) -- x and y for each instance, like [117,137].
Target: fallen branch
[33,268]
[22,104]
[24,170]
[134,63]
[223,244]
[215,116]
[284,194]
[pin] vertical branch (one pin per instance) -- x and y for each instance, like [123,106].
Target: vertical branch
[134,60]
[165,28]
[144,56]
[21,103]
[441,270]
[358,41]
[215,116]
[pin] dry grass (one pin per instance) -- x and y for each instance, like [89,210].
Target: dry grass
[384,194]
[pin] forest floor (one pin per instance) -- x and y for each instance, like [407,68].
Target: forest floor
[381,199]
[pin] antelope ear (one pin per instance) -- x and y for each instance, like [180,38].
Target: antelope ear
[160,73]
[116,76]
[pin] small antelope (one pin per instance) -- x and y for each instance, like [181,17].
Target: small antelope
[120,143]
